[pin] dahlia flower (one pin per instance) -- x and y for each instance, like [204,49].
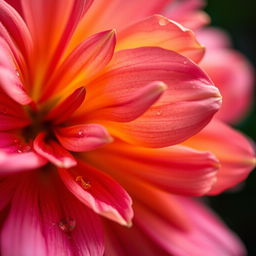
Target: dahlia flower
[98,112]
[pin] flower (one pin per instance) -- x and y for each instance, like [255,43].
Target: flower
[90,121]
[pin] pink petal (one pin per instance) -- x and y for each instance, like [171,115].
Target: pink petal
[184,109]
[81,138]
[16,27]
[163,168]
[99,192]
[9,80]
[235,153]
[160,31]
[62,111]
[233,75]
[12,163]
[87,59]
[205,233]
[53,152]
[189,13]
[46,215]
[133,107]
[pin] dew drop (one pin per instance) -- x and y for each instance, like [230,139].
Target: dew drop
[158,113]
[185,62]
[80,133]
[163,22]
[23,148]
[85,184]
[67,225]
[17,73]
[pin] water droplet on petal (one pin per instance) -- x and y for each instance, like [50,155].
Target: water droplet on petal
[158,113]
[163,22]
[185,62]
[80,133]
[17,73]
[85,184]
[67,225]
[23,148]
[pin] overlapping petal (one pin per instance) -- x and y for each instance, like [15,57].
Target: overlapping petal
[46,220]
[234,151]
[185,108]
[53,152]
[164,168]
[159,31]
[99,192]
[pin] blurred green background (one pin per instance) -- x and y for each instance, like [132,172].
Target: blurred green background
[238,208]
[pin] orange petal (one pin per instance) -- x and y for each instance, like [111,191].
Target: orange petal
[160,31]
[132,107]
[235,153]
[81,138]
[184,109]
[164,168]
[99,192]
[86,60]
[53,152]
[67,107]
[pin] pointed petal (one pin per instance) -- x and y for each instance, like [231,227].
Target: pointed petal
[53,152]
[9,80]
[164,168]
[205,232]
[45,214]
[81,138]
[184,109]
[134,106]
[87,59]
[159,31]
[62,111]
[13,163]
[99,192]
[16,27]
[235,153]
[109,15]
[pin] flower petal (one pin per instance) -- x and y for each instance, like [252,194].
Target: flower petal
[9,80]
[53,152]
[12,163]
[159,31]
[164,168]
[185,108]
[189,13]
[46,215]
[99,192]
[235,153]
[62,111]
[16,27]
[81,138]
[86,60]
[205,232]
[133,107]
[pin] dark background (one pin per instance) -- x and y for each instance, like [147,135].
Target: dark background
[238,208]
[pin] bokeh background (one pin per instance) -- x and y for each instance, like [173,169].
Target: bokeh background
[238,206]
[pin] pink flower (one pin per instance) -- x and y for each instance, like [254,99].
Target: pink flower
[90,122]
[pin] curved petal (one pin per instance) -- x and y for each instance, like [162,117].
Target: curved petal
[46,215]
[99,192]
[63,110]
[184,109]
[109,16]
[235,153]
[205,233]
[87,59]
[9,79]
[233,75]
[16,27]
[53,152]
[133,107]
[164,168]
[189,13]
[160,31]
[84,137]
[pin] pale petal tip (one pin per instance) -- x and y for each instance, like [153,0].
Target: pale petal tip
[161,86]
[66,163]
